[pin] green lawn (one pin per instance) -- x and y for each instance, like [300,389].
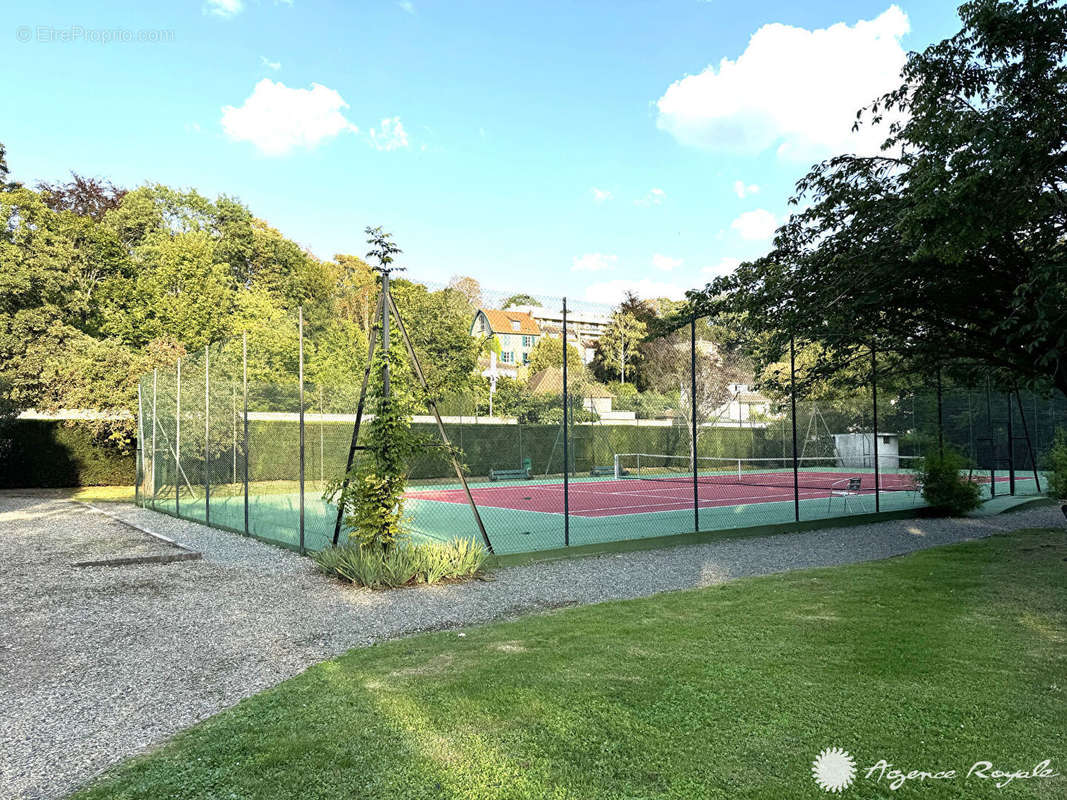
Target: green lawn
[932,661]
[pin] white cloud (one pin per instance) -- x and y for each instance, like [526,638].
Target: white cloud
[407,5]
[274,65]
[654,197]
[794,89]
[224,8]
[743,191]
[755,225]
[725,266]
[611,292]
[593,262]
[665,263]
[276,118]
[390,135]
[192,127]
[600,195]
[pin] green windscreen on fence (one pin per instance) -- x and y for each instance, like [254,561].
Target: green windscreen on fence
[542,463]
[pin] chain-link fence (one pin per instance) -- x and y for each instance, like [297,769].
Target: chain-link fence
[549,457]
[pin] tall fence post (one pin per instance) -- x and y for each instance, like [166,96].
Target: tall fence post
[207,436]
[874,409]
[385,336]
[793,403]
[1026,437]
[566,436]
[244,391]
[992,440]
[233,419]
[138,476]
[155,424]
[940,415]
[178,441]
[300,371]
[693,420]
[1011,447]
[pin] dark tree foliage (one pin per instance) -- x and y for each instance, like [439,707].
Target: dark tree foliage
[5,184]
[950,246]
[86,197]
[520,300]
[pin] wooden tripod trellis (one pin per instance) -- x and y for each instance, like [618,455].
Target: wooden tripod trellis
[380,326]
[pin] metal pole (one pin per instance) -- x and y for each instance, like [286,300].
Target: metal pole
[793,402]
[992,441]
[385,336]
[322,445]
[566,462]
[353,446]
[138,475]
[440,425]
[1029,444]
[207,437]
[693,420]
[874,408]
[178,441]
[940,416]
[300,371]
[233,417]
[1011,448]
[244,391]
[155,424]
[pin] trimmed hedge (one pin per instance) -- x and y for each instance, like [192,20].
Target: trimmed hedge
[38,453]
[49,454]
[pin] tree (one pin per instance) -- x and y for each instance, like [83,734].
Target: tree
[668,370]
[519,300]
[439,326]
[950,245]
[469,288]
[356,289]
[619,345]
[5,184]
[372,493]
[548,352]
[86,197]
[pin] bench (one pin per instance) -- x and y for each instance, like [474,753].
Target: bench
[598,472]
[510,474]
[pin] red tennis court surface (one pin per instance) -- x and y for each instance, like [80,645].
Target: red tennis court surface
[613,497]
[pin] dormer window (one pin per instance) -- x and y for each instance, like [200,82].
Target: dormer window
[515,325]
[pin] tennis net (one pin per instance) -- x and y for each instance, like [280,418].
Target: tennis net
[896,473]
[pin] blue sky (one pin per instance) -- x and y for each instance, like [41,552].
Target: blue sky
[550,147]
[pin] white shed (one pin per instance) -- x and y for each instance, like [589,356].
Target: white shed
[857,450]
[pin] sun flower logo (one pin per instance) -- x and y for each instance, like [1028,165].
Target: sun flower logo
[834,769]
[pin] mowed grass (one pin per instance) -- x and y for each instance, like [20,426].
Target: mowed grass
[931,661]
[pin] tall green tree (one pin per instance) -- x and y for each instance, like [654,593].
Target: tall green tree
[5,184]
[951,245]
[619,347]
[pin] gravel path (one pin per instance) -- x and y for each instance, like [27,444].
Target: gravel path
[100,663]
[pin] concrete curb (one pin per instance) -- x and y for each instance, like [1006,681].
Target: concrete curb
[186,553]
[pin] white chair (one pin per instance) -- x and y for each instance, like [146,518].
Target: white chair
[844,488]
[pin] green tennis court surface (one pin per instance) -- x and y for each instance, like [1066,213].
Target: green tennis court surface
[525,516]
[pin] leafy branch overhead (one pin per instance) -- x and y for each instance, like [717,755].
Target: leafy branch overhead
[952,244]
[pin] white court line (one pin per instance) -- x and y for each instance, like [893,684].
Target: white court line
[714,502]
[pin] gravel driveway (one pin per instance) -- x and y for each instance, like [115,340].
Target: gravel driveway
[100,663]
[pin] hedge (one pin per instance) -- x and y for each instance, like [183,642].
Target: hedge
[35,453]
[47,454]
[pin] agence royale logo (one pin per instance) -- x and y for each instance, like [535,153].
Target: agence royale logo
[834,770]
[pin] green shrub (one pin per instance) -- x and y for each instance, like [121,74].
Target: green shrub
[405,565]
[1057,474]
[945,485]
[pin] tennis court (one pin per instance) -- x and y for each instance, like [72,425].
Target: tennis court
[647,496]
[656,500]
